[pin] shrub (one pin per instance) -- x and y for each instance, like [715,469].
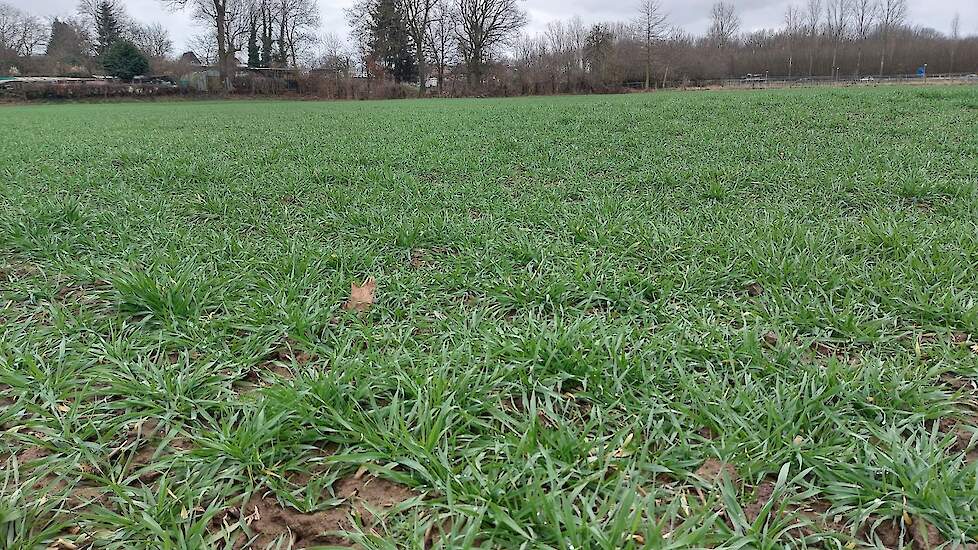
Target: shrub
[124,60]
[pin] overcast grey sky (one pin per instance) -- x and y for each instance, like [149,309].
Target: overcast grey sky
[692,15]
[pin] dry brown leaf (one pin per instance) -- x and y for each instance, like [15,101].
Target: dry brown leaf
[361,296]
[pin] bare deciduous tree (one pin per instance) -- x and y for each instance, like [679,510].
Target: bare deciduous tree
[218,15]
[418,15]
[892,14]
[837,17]
[153,40]
[20,32]
[563,40]
[863,20]
[813,18]
[793,24]
[295,19]
[440,35]
[955,38]
[725,24]
[484,25]
[651,23]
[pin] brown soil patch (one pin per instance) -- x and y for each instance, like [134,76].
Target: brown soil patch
[706,433]
[817,513]
[516,404]
[269,521]
[824,350]
[149,453]
[83,496]
[418,260]
[256,377]
[314,466]
[290,351]
[763,494]
[925,535]
[85,294]
[960,338]
[964,429]
[964,433]
[712,470]
[13,270]
[889,533]
[469,299]
[425,258]
[143,440]
[967,385]
[32,454]
[845,354]
[917,535]
[579,405]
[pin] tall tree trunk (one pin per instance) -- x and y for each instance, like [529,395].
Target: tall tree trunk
[283,56]
[475,73]
[266,37]
[648,64]
[422,69]
[859,59]
[811,59]
[835,54]
[220,21]
[882,56]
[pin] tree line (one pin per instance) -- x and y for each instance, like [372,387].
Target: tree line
[825,39]
[100,38]
[262,33]
[481,46]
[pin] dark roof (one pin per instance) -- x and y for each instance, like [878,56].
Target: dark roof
[190,57]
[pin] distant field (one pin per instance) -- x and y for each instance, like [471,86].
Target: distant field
[740,320]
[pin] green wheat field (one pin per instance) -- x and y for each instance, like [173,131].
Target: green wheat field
[669,320]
